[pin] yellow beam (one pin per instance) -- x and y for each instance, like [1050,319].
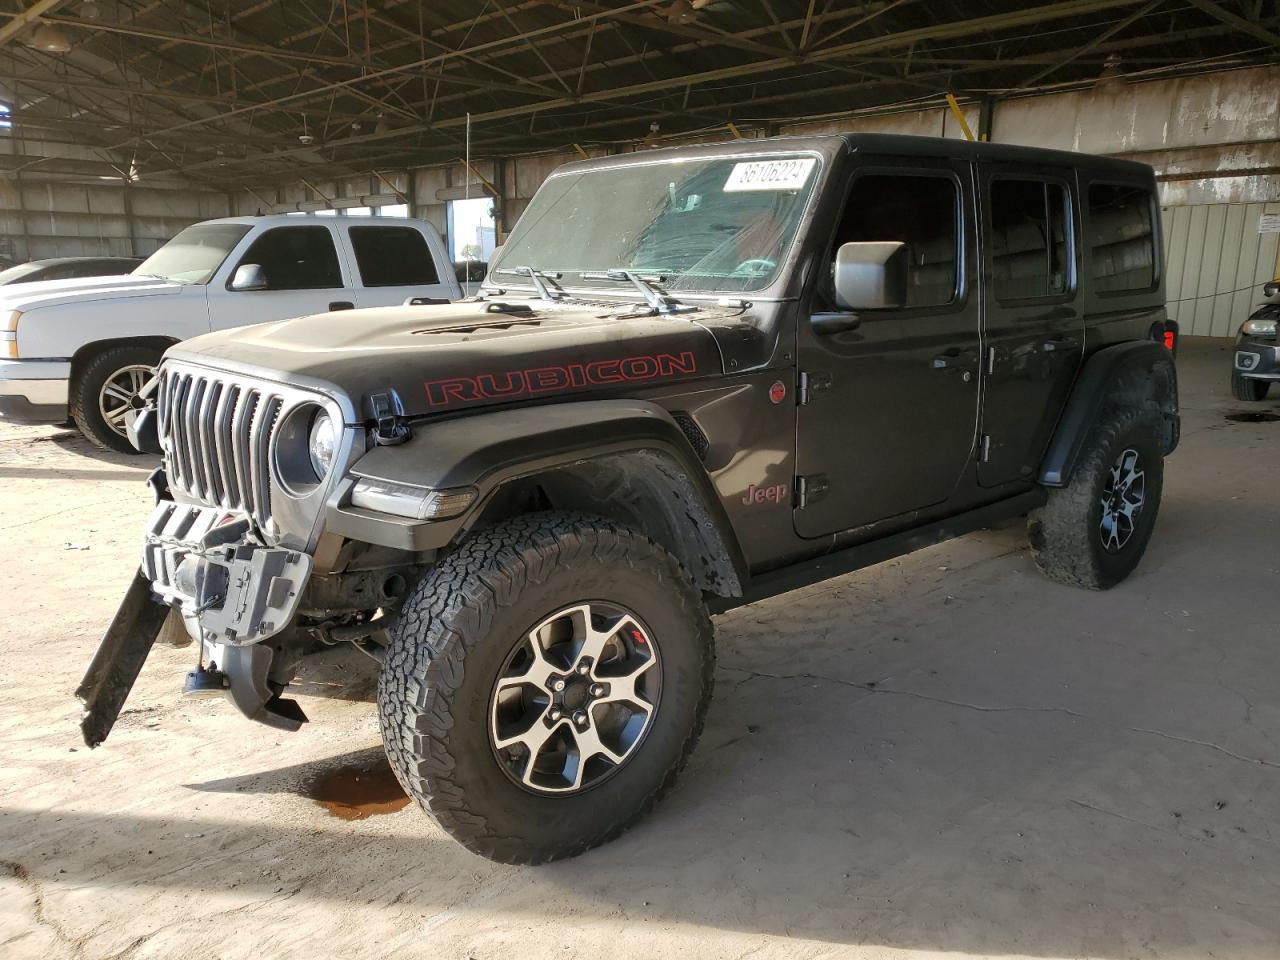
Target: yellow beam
[959,115]
[737,134]
[582,153]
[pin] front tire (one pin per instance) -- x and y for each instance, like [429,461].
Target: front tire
[1092,532]
[105,389]
[544,685]
[1247,389]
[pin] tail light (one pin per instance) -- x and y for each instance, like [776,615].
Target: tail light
[1166,334]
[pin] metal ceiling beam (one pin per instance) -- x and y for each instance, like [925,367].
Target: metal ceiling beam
[27,17]
[1250,27]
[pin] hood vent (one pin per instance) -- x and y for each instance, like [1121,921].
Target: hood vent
[480,327]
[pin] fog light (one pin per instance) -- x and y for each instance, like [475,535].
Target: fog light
[410,500]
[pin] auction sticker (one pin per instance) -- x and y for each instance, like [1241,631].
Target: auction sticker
[769,175]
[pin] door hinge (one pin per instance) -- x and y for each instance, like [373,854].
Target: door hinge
[810,384]
[810,489]
[984,449]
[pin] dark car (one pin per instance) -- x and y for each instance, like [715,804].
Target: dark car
[1257,357]
[693,378]
[68,268]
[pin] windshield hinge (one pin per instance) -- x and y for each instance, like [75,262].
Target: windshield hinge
[389,426]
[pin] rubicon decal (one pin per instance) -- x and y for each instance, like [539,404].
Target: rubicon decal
[572,376]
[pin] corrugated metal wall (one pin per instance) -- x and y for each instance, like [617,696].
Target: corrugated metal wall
[1216,262]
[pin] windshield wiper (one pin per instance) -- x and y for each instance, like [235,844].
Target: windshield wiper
[647,285]
[544,291]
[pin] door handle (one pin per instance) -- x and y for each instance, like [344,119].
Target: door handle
[341,305]
[1059,343]
[963,362]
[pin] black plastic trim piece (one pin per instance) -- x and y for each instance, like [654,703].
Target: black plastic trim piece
[808,572]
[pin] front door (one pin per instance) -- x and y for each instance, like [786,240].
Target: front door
[303,272]
[888,421]
[1034,327]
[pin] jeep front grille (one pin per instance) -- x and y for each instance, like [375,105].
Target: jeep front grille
[216,435]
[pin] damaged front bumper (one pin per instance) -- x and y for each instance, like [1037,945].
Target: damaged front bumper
[232,592]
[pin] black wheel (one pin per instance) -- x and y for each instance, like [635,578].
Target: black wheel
[1251,391]
[106,388]
[1093,532]
[544,685]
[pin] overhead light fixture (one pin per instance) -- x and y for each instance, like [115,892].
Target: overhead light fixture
[48,39]
[90,10]
[305,137]
[381,126]
[1111,77]
[681,12]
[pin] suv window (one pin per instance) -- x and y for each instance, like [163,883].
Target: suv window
[1121,238]
[392,256]
[296,258]
[918,210]
[1028,239]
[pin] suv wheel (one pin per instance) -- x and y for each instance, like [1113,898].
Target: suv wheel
[106,388]
[544,685]
[1092,532]
[1248,389]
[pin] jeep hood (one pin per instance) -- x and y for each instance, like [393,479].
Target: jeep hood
[52,293]
[461,355]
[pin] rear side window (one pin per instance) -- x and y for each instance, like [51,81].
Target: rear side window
[296,258]
[393,256]
[1121,239]
[919,211]
[1028,239]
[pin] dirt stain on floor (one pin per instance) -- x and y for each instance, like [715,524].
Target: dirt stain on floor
[357,791]
[1253,416]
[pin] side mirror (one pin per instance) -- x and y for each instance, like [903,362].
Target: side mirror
[249,276]
[871,275]
[1271,289]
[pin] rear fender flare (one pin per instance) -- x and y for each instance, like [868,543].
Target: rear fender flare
[1126,374]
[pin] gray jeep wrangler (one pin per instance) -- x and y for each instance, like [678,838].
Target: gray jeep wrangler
[694,378]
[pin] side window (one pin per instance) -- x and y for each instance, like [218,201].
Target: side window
[392,256]
[919,211]
[296,258]
[1121,239]
[1028,239]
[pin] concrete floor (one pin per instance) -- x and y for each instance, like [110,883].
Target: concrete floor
[945,754]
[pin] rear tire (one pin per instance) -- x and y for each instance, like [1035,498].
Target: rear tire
[1250,391]
[1092,532]
[448,688]
[103,389]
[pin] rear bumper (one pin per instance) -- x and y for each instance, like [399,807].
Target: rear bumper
[1257,360]
[34,391]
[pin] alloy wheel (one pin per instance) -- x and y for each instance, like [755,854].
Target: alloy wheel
[575,698]
[119,394]
[1123,495]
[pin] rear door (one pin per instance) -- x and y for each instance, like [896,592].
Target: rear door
[395,262]
[1034,325]
[889,410]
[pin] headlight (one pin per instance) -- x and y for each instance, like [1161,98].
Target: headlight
[321,444]
[1259,328]
[9,336]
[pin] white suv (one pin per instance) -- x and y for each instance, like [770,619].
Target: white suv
[81,349]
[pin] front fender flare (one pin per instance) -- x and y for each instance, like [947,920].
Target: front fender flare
[491,448]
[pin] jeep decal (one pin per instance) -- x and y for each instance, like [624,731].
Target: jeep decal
[519,383]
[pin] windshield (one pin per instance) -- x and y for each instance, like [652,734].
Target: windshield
[19,273]
[194,254]
[701,225]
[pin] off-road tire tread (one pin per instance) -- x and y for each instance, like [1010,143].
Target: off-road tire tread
[447,615]
[1060,542]
[1250,391]
[83,401]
